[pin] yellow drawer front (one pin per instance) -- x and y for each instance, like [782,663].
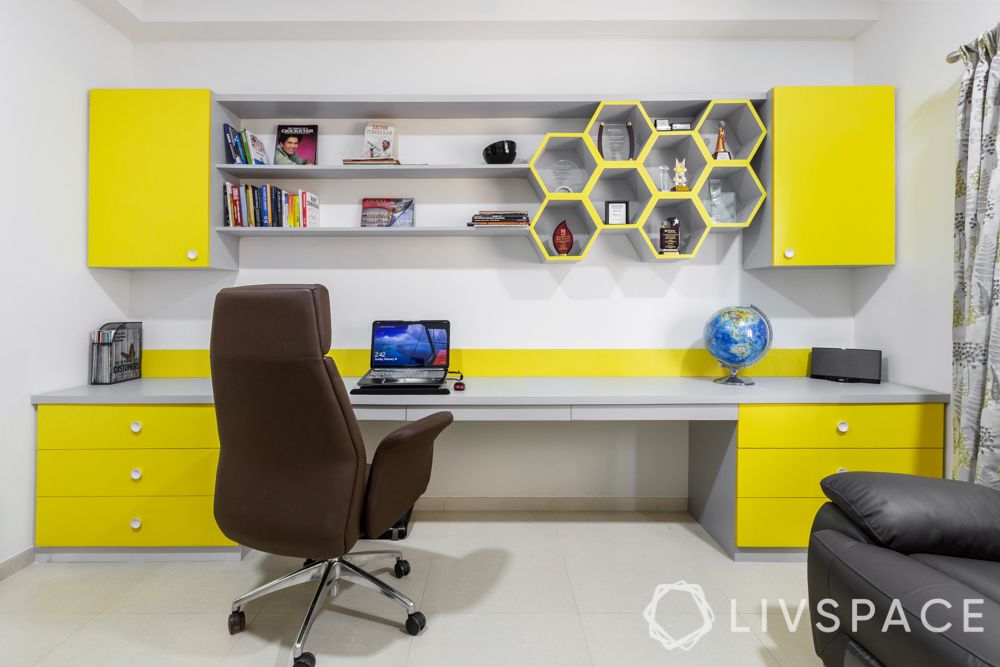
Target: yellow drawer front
[903,425]
[796,473]
[775,522]
[106,522]
[127,472]
[127,427]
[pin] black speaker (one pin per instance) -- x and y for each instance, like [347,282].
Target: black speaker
[845,365]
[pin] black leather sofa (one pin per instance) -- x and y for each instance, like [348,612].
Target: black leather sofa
[931,544]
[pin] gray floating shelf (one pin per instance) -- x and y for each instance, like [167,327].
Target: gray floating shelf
[375,171]
[285,232]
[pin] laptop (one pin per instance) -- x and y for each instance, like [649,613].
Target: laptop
[408,354]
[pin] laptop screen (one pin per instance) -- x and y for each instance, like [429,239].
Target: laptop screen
[410,344]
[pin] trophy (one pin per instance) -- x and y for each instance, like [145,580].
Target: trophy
[616,141]
[680,176]
[670,236]
[664,178]
[562,239]
[721,152]
[569,176]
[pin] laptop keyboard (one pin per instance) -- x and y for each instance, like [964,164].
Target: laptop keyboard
[417,373]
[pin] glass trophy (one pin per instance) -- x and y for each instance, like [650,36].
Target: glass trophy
[616,141]
[722,201]
[665,182]
[562,239]
[721,152]
[568,176]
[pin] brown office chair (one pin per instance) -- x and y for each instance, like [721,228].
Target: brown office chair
[292,477]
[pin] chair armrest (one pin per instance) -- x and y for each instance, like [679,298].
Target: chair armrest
[401,469]
[912,514]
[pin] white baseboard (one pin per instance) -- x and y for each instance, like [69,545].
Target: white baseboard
[17,562]
[137,554]
[561,504]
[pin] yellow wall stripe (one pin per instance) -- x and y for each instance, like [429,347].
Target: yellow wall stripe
[789,362]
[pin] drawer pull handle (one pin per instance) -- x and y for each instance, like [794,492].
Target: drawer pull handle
[789,253]
[135,474]
[841,469]
[843,426]
[135,523]
[135,427]
[192,255]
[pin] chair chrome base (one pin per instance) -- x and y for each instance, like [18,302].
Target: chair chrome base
[329,573]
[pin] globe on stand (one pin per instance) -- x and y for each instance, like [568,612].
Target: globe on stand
[738,336]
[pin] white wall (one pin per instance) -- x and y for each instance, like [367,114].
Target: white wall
[906,48]
[495,291]
[52,53]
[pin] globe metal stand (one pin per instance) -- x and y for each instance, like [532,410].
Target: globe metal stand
[733,379]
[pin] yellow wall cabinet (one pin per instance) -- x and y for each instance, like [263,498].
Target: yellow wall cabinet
[127,476]
[151,175]
[830,163]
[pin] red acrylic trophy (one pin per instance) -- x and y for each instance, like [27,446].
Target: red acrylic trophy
[562,239]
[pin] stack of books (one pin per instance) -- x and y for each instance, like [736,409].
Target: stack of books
[268,206]
[243,146]
[504,218]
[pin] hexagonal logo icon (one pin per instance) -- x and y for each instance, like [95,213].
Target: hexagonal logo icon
[688,641]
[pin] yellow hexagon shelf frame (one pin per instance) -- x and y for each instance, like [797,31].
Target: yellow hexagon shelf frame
[581,217]
[632,178]
[694,227]
[562,145]
[744,129]
[666,147]
[622,111]
[614,183]
[746,187]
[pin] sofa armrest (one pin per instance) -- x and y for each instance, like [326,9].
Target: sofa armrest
[912,514]
[400,472]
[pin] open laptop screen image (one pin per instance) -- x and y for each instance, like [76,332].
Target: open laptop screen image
[408,352]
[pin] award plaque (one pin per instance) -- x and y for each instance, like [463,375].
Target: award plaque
[721,152]
[562,239]
[568,176]
[616,141]
[616,212]
[680,176]
[662,124]
[670,236]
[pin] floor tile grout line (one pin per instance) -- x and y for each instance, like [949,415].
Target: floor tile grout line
[423,594]
[65,639]
[759,639]
[572,591]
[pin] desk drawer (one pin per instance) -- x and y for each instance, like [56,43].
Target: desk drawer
[127,472]
[905,426]
[127,427]
[105,522]
[796,473]
[775,522]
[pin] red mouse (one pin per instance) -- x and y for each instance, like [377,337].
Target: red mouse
[459,386]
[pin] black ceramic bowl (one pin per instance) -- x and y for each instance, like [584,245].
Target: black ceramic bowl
[500,152]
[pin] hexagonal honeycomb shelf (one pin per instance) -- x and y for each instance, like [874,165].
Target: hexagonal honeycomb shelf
[565,163]
[579,216]
[664,151]
[646,237]
[629,111]
[731,195]
[575,183]
[628,184]
[744,129]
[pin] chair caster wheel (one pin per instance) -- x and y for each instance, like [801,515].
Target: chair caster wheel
[237,622]
[305,660]
[415,622]
[402,568]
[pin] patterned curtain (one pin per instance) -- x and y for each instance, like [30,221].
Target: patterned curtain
[976,327]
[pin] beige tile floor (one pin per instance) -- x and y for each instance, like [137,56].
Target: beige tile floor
[503,589]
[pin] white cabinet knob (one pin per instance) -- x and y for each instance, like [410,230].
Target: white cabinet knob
[843,426]
[192,255]
[135,474]
[841,469]
[789,253]
[135,427]
[135,523]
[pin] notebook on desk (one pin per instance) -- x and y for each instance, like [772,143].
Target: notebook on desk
[408,355]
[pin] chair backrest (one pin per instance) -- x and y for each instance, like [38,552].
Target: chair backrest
[292,462]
